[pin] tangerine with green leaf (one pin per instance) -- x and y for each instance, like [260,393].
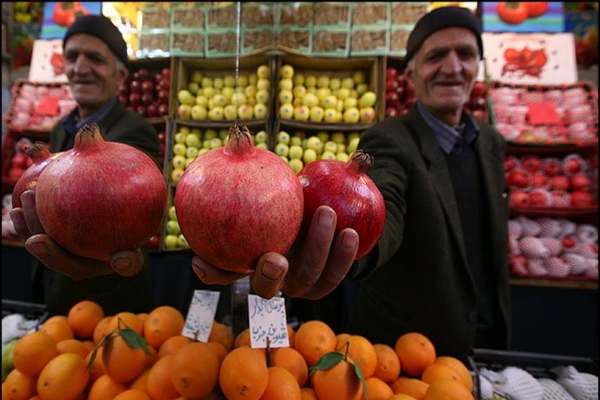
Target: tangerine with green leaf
[122,362]
[335,377]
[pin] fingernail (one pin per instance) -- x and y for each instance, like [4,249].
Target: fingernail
[271,271]
[40,250]
[325,218]
[122,263]
[349,240]
[201,274]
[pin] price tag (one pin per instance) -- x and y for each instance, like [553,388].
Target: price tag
[201,315]
[267,320]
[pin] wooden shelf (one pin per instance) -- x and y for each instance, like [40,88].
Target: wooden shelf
[12,243]
[555,283]
[321,127]
[550,149]
[157,120]
[220,124]
[555,212]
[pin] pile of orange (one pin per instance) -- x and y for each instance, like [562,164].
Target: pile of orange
[52,364]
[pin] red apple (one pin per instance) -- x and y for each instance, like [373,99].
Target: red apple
[532,163]
[573,164]
[161,137]
[519,198]
[480,115]
[392,97]
[559,183]
[135,76]
[539,198]
[569,242]
[518,178]
[552,167]
[162,109]
[163,95]
[19,160]
[391,112]
[143,73]
[151,110]
[166,72]
[511,163]
[539,180]
[581,182]
[582,199]
[135,99]
[147,98]
[135,86]
[153,242]
[147,86]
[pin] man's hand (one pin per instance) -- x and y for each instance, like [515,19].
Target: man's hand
[42,247]
[318,266]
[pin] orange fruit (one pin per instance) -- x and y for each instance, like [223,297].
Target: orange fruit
[388,364]
[89,345]
[195,370]
[341,341]
[313,340]
[243,374]
[83,318]
[401,397]
[151,358]
[219,350]
[412,387]
[221,333]
[140,381]
[415,352]
[64,378]
[242,339]
[56,318]
[291,360]
[308,394]
[291,335]
[446,389]
[97,367]
[162,323]
[172,345]
[282,385]
[439,371]
[143,317]
[105,389]
[363,354]
[132,394]
[337,383]
[459,368]
[18,386]
[32,352]
[125,320]
[58,331]
[159,385]
[100,329]
[378,389]
[72,346]
[121,362]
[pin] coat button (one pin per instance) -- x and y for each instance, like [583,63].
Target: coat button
[472,317]
[504,195]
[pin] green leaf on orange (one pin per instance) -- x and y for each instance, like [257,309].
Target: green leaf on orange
[359,374]
[327,361]
[134,340]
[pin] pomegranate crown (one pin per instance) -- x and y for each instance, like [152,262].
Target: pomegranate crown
[38,151]
[361,161]
[88,135]
[239,139]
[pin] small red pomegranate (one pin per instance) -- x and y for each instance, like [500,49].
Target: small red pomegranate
[41,157]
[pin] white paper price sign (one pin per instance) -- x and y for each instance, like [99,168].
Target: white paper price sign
[201,315]
[267,320]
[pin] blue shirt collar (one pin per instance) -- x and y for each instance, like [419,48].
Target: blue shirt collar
[446,135]
[73,118]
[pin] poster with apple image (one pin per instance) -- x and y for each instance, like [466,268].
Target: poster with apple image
[540,16]
[47,62]
[530,59]
[59,15]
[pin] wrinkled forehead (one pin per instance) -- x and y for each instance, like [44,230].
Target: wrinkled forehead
[87,44]
[450,38]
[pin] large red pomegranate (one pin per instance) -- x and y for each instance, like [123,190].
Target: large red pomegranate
[236,203]
[100,197]
[41,157]
[347,189]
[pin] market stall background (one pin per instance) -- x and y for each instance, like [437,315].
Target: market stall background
[335,40]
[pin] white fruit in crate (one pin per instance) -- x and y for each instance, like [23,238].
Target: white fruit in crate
[314,143]
[282,149]
[191,153]
[263,71]
[262,97]
[329,102]
[215,143]
[185,97]
[309,156]
[310,100]
[209,92]
[179,161]
[182,242]
[172,213]
[335,83]
[296,141]
[311,81]
[351,115]
[348,83]
[192,141]
[343,94]
[331,115]
[202,101]
[338,137]
[286,111]
[173,228]
[296,165]
[295,152]
[218,83]
[264,84]
[327,155]
[260,111]
[350,102]
[197,76]
[230,112]
[358,77]
[207,82]
[368,99]
[316,114]
[193,87]
[238,99]
[299,79]
[299,91]
[340,106]
[229,81]
[322,93]
[287,71]
[286,97]
[199,113]
[176,174]
[262,146]
[323,136]
[367,115]
[179,149]
[250,91]
[245,112]
[190,160]
[243,80]
[171,242]
[352,145]
[216,114]
[362,88]
[301,113]
[343,157]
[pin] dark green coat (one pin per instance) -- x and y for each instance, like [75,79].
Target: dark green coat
[115,293]
[420,279]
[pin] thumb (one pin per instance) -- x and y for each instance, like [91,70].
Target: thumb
[127,263]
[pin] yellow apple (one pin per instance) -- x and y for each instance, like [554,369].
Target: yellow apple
[295,152]
[309,156]
[301,113]
[358,77]
[260,111]
[315,144]
[368,99]
[350,102]
[216,114]
[199,113]
[330,146]
[287,71]
[296,165]
[348,83]
[286,84]
[361,88]
[335,83]
[263,71]
[207,82]
[327,155]
[230,112]
[210,134]
[343,157]
[299,91]
[262,96]
[310,100]
[197,76]
[263,84]
[245,112]
[218,83]
[286,111]
[286,97]
[282,149]
[299,79]
[351,115]
[311,81]
[229,81]
[367,115]
[316,114]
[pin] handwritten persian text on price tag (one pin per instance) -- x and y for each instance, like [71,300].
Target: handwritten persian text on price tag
[267,320]
[201,315]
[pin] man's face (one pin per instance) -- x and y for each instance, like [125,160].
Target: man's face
[445,68]
[92,71]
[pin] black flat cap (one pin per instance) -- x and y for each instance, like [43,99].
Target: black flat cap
[438,19]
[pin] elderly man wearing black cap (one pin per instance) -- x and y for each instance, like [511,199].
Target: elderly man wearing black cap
[96,65]
[440,267]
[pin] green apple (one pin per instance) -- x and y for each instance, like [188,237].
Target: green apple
[322,93]
[286,84]
[329,102]
[340,106]
[296,141]
[185,97]
[219,100]
[262,146]
[323,81]
[203,151]
[301,113]
[330,115]
[350,102]
[262,96]
[227,92]
[173,228]
[342,157]
[238,99]
[216,114]
[199,113]
[263,71]
[286,111]
[285,97]
[209,92]
[351,115]
[338,137]
[250,91]
[353,135]
[264,84]
[316,114]
[184,111]
[368,99]
[330,146]
[286,71]
[367,115]
[314,143]
[245,112]
[229,81]
[348,83]
[182,242]
[192,141]
[184,129]
[243,80]
[207,82]
[176,174]
[190,160]
[210,134]
[335,83]
[299,78]
[295,152]
[282,149]
[310,100]
[323,136]
[361,88]
[191,153]
[310,81]
[311,90]
[283,137]
[178,161]
[180,137]
[202,101]
[193,87]
[179,149]
[215,143]
[230,112]
[358,77]
[296,164]
[171,242]
[299,91]
[172,213]
[352,145]
[206,144]
[327,155]
[218,83]
[343,93]
[341,148]
[309,156]
[197,76]
[261,137]
[260,111]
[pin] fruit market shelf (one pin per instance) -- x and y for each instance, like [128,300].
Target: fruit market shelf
[321,127]
[550,149]
[157,120]
[555,211]
[220,124]
[571,283]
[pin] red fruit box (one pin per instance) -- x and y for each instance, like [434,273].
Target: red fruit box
[37,107]
[546,115]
